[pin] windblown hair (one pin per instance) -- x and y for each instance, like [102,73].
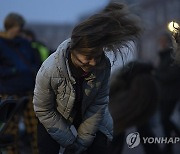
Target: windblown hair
[13,19]
[109,29]
[133,96]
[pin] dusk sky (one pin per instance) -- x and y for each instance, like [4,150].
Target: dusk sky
[53,11]
[50,11]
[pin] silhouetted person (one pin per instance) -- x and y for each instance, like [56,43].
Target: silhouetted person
[42,52]
[72,86]
[168,76]
[133,100]
[176,37]
[17,72]
[17,67]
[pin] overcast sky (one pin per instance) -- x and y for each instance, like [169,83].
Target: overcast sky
[51,11]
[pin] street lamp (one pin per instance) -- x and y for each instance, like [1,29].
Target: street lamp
[173,27]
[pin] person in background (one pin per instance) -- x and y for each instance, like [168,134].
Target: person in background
[72,85]
[168,76]
[42,50]
[17,74]
[133,100]
[176,46]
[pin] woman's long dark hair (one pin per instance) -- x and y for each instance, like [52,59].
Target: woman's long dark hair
[109,29]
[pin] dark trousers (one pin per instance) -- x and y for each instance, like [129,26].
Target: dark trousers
[168,126]
[47,145]
[117,144]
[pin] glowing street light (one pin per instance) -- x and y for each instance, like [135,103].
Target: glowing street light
[173,27]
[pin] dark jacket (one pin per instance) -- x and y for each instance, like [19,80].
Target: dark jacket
[168,75]
[133,96]
[17,66]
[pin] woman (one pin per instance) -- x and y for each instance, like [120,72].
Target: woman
[72,85]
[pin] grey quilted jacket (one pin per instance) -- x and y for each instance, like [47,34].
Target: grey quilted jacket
[54,98]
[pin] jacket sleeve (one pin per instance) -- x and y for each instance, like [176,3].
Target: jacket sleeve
[45,109]
[94,114]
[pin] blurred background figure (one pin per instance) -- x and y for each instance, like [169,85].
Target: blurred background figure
[168,76]
[133,100]
[17,74]
[176,44]
[42,51]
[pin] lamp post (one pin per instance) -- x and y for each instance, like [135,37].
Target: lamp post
[174,28]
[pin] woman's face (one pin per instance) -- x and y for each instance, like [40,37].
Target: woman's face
[87,58]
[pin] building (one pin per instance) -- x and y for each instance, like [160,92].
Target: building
[155,15]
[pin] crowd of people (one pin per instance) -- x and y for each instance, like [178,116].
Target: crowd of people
[73,106]
[20,59]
